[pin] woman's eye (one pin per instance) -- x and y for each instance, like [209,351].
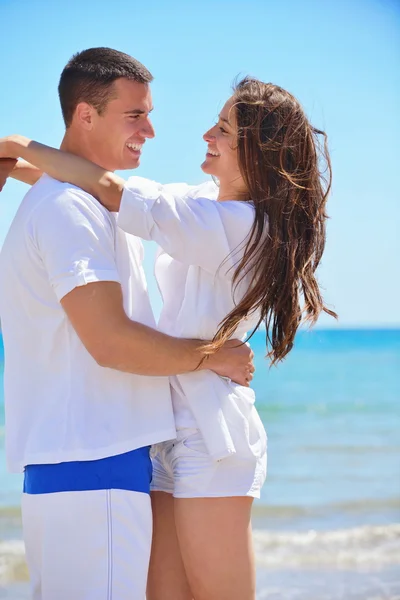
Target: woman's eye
[222,130]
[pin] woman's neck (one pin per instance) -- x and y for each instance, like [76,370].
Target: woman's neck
[232,190]
[231,193]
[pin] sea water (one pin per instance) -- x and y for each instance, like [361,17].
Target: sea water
[327,524]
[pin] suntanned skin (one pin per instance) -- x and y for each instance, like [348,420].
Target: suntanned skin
[18,169]
[101,183]
[98,317]
[8,168]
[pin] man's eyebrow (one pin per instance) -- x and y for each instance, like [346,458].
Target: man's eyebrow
[137,111]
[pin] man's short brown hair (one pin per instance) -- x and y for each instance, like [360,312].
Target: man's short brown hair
[89,77]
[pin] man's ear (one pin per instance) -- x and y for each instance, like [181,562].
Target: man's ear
[83,116]
[6,166]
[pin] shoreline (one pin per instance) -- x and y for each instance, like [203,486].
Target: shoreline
[295,584]
[353,564]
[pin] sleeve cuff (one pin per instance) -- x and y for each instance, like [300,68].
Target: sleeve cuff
[137,200]
[64,285]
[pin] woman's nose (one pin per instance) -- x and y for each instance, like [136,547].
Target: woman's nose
[208,137]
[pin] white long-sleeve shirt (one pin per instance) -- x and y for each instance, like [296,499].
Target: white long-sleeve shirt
[201,243]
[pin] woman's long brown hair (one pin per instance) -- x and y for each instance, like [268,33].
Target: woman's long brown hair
[288,175]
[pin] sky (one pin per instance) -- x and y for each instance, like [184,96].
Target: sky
[340,58]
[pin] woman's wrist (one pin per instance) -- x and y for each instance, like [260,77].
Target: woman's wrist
[111,189]
[15,145]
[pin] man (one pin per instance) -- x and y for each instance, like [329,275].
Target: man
[79,337]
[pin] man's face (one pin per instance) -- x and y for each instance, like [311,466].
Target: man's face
[118,134]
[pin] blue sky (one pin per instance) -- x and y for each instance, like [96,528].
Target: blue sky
[340,58]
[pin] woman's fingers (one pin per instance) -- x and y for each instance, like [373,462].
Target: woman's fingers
[6,166]
[249,376]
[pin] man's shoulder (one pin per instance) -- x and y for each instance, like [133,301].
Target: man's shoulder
[55,197]
[48,188]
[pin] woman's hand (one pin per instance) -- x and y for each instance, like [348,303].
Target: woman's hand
[6,147]
[234,361]
[11,145]
[11,148]
[6,167]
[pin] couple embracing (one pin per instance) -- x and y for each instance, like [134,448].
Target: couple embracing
[141,446]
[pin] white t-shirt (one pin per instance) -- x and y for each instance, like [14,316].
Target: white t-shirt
[202,241]
[60,404]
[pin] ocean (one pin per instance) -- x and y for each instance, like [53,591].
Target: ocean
[327,526]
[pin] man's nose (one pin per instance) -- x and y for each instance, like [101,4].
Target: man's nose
[148,129]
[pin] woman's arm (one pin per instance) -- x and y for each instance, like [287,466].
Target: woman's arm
[64,166]
[193,229]
[196,231]
[6,166]
[25,172]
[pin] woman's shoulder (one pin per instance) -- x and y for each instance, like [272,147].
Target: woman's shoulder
[238,213]
[207,189]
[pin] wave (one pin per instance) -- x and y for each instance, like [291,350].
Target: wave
[12,562]
[367,547]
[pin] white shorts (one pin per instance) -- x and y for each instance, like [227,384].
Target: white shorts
[182,467]
[89,545]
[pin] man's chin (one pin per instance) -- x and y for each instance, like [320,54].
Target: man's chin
[130,164]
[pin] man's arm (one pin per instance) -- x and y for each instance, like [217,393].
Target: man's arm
[98,317]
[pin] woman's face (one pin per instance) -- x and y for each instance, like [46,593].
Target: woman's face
[222,156]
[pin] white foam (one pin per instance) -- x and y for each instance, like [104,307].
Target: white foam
[366,547]
[12,561]
[369,548]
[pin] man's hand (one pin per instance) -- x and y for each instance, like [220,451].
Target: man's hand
[234,360]
[6,166]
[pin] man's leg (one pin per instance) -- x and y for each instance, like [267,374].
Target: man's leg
[88,545]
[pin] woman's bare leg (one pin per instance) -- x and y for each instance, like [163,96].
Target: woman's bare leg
[216,546]
[167,579]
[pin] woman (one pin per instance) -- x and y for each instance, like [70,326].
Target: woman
[225,268]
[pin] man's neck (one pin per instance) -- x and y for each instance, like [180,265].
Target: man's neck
[80,147]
